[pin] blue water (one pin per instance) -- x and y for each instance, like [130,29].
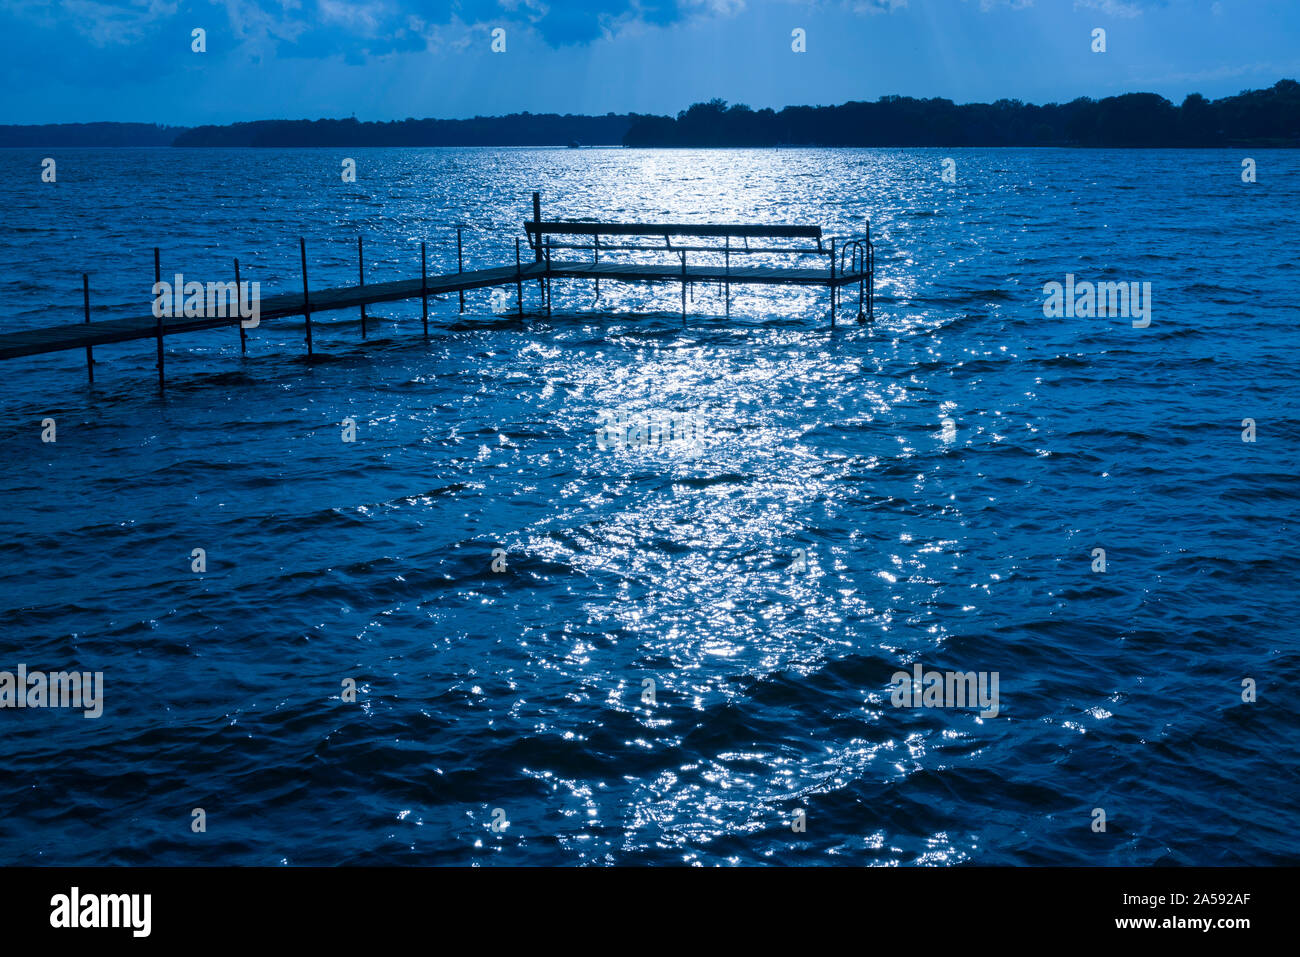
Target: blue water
[967,548]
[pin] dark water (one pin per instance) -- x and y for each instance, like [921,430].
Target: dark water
[966,549]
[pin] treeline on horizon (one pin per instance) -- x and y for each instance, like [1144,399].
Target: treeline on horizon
[1269,117]
[516,129]
[89,134]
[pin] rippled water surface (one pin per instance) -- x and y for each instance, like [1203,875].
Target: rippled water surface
[965,549]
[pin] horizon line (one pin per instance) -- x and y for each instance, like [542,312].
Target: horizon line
[611,113]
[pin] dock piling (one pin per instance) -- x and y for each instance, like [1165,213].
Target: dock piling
[683,285]
[871,277]
[537,218]
[548,273]
[537,239]
[85,299]
[460,266]
[306,298]
[424,289]
[157,278]
[519,280]
[861,287]
[832,282]
[361,276]
[726,285]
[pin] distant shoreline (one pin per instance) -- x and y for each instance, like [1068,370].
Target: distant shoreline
[1268,118]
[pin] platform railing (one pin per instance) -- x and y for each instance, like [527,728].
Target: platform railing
[859,254]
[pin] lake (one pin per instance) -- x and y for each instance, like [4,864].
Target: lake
[483,633]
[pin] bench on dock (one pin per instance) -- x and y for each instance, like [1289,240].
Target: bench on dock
[847,261]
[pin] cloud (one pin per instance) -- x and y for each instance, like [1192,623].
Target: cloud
[106,24]
[722,8]
[259,32]
[367,18]
[877,6]
[1123,9]
[263,30]
[987,6]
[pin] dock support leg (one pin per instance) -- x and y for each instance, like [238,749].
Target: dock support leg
[548,273]
[537,239]
[460,266]
[683,285]
[519,281]
[361,276]
[306,299]
[424,289]
[537,218]
[832,283]
[596,261]
[157,278]
[727,283]
[85,299]
[239,297]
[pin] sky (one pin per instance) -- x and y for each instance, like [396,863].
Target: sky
[66,61]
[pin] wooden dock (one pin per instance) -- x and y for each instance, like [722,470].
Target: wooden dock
[850,263]
[77,335]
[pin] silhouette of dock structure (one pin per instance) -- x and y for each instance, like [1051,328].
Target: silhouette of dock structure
[848,262]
